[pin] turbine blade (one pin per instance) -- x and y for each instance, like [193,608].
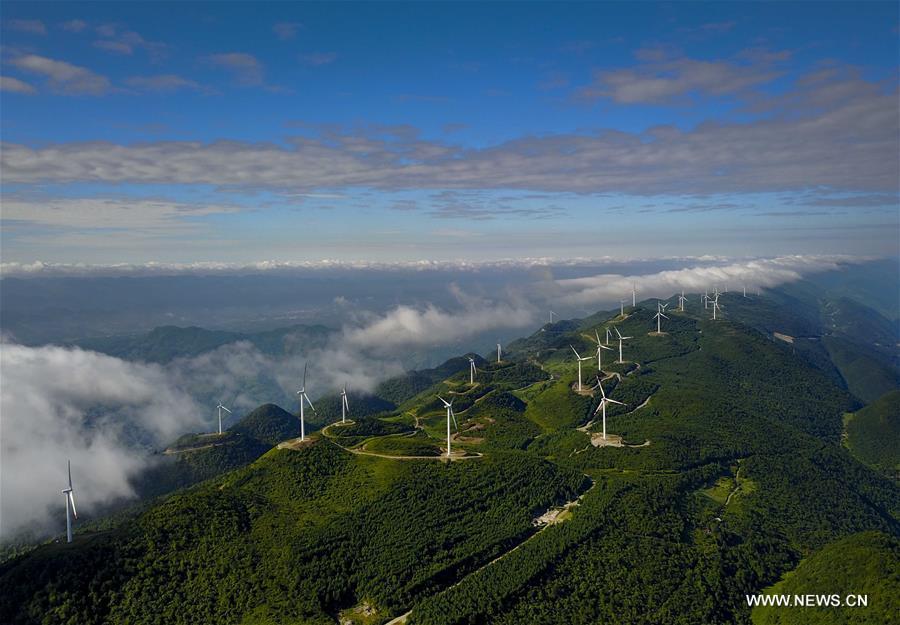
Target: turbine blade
[69,464]
[305,365]
[71,496]
[453,414]
[226,409]
[306,397]
[613,401]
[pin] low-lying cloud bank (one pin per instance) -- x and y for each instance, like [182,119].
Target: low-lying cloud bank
[760,273]
[48,269]
[61,404]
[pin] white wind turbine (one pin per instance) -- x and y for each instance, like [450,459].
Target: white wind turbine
[220,408]
[608,335]
[715,306]
[450,415]
[551,316]
[705,299]
[745,290]
[304,396]
[622,307]
[580,358]
[681,300]
[70,505]
[600,348]
[621,338]
[472,371]
[633,295]
[659,317]
[345,405]
[499,351]
[603,401]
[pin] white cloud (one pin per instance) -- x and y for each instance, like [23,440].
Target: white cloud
[50,403]
[245,68]
[63,77]
[763,273]
[105,213]
[74,26]
[286,30]
[164,83]
[316,59]
[14,85]
[790,150]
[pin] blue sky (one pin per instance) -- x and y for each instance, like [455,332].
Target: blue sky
[236,132]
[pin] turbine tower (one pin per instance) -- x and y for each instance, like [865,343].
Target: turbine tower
[659,317]
[622,307]
[220,408]
[608,335]
[621,338]
[551,316]
[499,351]
[472,371]
[579,357]
[715,306]
[600,348]
[345,405]
[304,396]
[681,300]
[70,505]
[745,290]
[602,407]
[450,415]
[633,296]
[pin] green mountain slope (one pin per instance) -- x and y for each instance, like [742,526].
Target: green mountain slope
[873,434]
[861,564]
[720,474]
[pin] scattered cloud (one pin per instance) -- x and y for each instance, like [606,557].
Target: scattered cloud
[164,83]
[120,40]
[14,85]
[664,80]
[34,27]
[74,26]
[286,30]
[63,77]
[789,151]
[316,59]
[246,70]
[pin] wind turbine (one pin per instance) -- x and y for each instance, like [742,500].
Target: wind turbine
[681,300]
[633,296]
[579,357]
[622,307]
[551,316]
[304,396]
[621,338]
[705,299]
[220,408]
[472,371]
[498,353]
[345,405]
[745,290]
[603,401]
[715,306]
[659,317]
[70,505]
[600,348]
[608,334]
[450,415]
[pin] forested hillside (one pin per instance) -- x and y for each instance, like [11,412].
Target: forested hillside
[723,470]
